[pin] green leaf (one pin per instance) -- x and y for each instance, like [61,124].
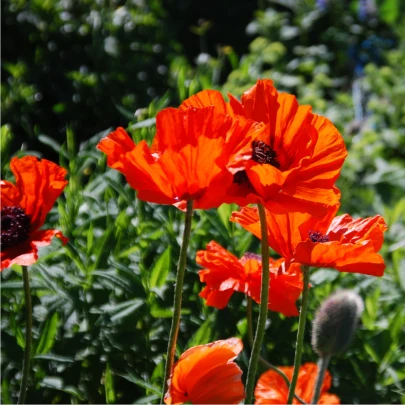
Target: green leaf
[127,311]
[53,357]
[203,334]
[389,11]
[141,383]
[161,269]
[5,392]
[48,335]
[110,396]
[147,400]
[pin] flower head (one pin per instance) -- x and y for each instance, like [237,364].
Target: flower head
[224,274]
[295,162]
[335,322]
[193,156]
[272,389]
[342,243]
[206,374]
[24,207]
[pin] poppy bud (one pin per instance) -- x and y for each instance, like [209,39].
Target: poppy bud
[335,322]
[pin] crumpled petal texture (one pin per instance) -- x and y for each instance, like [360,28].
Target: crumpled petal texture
[352,244]
[272,389]
[224,274]
[38,184]
[310,152]
[193,156]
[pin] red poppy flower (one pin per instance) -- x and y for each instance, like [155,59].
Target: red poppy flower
[342,243]
[272,389]
[193,156]
[224,274]
[24,207]
[295,162]
[206,374]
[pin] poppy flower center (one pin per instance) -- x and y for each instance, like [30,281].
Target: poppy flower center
[316,236]
[240,177]
[15,226]
[251,256]
[264,154]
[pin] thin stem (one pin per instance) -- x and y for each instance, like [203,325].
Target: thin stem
[300,335]
[263,361]
[28,336]
[323,363]
[181,268]
[264,302]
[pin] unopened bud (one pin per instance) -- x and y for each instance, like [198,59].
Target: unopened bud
[335,322]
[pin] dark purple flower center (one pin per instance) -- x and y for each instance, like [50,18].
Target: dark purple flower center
[263,153]
[250,256]
[240,177]
[15,226]
[316,236]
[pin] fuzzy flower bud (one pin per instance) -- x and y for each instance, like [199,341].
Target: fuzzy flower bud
[335,322]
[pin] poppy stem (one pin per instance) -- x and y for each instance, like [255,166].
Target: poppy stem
[323,363]
[264,302]
[181,268]
[300,334]
[28,336]
[263,361]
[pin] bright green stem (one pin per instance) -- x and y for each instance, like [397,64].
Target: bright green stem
[263,361]
[300,334]
[181,269]
[264,302]
[323,363]
[28,336]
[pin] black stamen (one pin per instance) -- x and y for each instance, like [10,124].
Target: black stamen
[15,226]
[263,153]
[240,177]
[316,236]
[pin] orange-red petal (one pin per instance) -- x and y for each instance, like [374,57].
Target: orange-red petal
[225,274]
[26,253]
[271,388]
[116,145]
[40,183]
[194,155]
[353,257]
[207,98]
[206,374]
[309,152]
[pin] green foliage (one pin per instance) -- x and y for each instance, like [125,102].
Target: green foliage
[103,303]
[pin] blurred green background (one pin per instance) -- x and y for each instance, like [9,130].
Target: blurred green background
[74,69]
